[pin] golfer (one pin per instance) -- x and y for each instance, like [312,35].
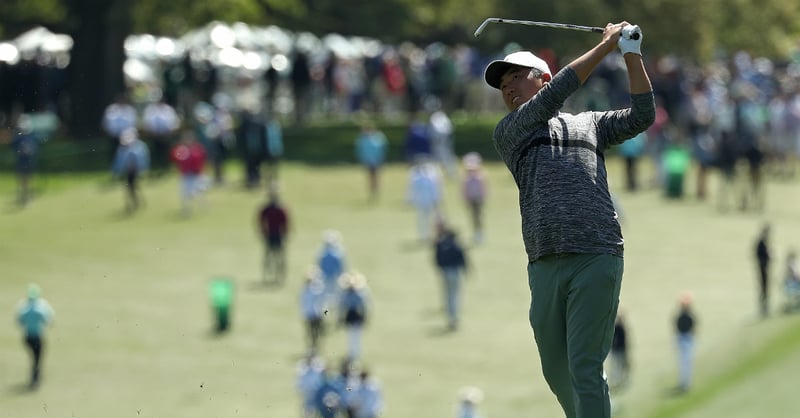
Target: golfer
[569,226]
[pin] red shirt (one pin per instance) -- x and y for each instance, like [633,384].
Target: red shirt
[190,158]
[274,220]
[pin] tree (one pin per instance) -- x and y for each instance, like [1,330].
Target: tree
[99,29]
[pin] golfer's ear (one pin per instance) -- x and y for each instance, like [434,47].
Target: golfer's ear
[546,77]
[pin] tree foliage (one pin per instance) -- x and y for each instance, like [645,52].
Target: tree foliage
[688,27]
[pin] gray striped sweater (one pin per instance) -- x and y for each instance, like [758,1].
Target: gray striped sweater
[557,162]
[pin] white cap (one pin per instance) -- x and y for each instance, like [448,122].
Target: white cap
[496,69]
[128,136]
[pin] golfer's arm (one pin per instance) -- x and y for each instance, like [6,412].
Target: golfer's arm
[586,63]
[637,75]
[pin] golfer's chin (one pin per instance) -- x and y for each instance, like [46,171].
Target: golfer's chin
[515,102]
[512,106]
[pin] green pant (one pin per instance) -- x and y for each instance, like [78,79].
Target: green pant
[574,299]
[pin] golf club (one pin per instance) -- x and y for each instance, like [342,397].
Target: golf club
[545,24]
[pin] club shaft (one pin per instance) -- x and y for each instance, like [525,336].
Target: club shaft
[532,23]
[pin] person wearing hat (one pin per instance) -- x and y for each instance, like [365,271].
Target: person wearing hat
[451,261]
[572,236]
[470,397]
[474,190]
[353,310]
[332,263]
[312,307]
[33,314]
[132,158]
[685,323]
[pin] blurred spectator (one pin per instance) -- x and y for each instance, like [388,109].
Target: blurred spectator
[353,308]
[699,115]
[25,144]
[619,372]
[440,129]
[300,78]
[273,147]
[310,375]
[657,140]
[369,396]
[131,160]
[214,126]
[190,158]
[676,163]
[727,149]
[425,195]
[372,66]
[252,138]
[159,124]
[783,129]
[474,191]
[118,117]
[762,254]
[632,151]
[331,263]
[312,306]
[469,398]
[348,383]
[451,262]
[749,131]
[792,282]
[394,80]
[371,154]
[33,314]
[418,140]
[273,221]
[441,73]
[685,324]
[271,79]
[329,397]
[205,78]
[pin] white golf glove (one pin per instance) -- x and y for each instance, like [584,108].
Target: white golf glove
[631,40]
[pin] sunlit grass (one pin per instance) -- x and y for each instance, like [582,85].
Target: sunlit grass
[132,335]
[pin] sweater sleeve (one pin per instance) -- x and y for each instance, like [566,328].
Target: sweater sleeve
[616,127]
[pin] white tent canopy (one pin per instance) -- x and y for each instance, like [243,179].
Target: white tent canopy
[40,39]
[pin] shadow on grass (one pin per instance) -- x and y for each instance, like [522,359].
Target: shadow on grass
[442,331]
[121,215]
[20,389]
[415,245]
[14,207]
[265,286]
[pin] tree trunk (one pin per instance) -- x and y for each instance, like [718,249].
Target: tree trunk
[99,29]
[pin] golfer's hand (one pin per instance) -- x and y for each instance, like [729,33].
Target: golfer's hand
[631,40]
[612,33]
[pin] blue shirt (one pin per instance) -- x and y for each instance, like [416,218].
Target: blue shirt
[331,262]
[33,315]
[371,148]
[132,157]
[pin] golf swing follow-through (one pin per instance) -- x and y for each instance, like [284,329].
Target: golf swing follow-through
[570,229]
[596,29]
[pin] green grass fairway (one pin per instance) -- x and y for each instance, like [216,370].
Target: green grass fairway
[132,333]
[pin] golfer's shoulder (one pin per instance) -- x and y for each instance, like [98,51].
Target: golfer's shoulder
[565,80]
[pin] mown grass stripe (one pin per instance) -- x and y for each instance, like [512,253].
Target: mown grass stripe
[775,350]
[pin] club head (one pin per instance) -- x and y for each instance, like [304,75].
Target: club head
[482,27]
